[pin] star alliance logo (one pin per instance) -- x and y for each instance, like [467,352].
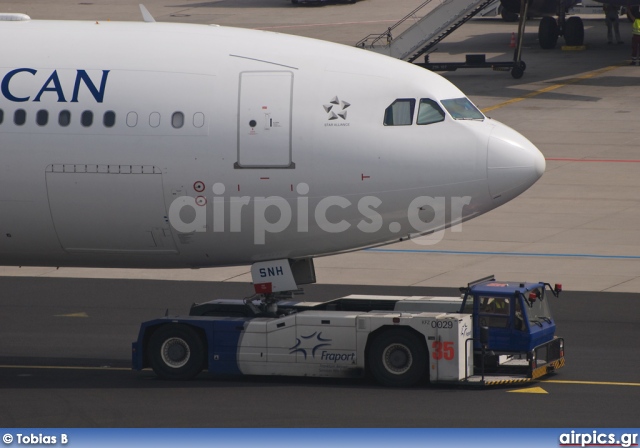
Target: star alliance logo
[336,109]
[311,343]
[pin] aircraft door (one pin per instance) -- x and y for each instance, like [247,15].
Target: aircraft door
[264,120]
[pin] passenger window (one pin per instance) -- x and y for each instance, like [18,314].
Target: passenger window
[20,117]
[109,119]
[42,117]
[132,119]
[177,120]
[86,119]
[1,116]
[429,112]
[400,113]
[64,118]
[198,120]
[154,119]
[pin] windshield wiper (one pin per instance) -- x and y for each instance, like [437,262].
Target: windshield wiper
[546,319]
[536,321]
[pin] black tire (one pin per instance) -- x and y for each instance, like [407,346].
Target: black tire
[548,33]
[509,16]
[398,358]
[574,32]
[518,70]
[176,352]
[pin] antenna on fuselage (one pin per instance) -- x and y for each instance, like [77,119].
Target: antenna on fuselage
[146,15]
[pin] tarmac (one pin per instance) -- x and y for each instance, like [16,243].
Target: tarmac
[65,361]
[579,225]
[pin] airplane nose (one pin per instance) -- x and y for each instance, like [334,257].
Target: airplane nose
[513,163]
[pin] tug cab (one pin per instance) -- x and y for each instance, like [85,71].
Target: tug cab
[516,317]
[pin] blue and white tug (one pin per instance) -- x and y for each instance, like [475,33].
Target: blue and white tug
[495,333]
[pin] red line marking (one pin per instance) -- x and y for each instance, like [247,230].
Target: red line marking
[562,159]
[238,187]
[365,177]
[264,178]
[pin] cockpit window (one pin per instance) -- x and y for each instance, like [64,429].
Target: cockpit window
[462,109]
[429,112]
[400,113]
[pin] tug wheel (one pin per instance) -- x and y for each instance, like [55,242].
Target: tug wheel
[176,352]
[398,358]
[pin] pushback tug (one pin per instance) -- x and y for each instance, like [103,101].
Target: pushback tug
[495,333]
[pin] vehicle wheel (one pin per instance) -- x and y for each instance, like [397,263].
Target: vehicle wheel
[548,33]
[518,71]
[176,352]
[508,16]
[398,358]
[574,31]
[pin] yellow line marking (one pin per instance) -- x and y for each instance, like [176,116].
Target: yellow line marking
[553,87]
[596,383]
[530,390]
[82,314]
[64,367]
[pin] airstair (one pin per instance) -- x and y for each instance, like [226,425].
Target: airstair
[420,31]
[441,18]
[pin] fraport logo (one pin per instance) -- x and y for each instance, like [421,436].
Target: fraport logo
[312,343]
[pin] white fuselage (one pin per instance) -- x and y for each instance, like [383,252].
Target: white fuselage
[167,145]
